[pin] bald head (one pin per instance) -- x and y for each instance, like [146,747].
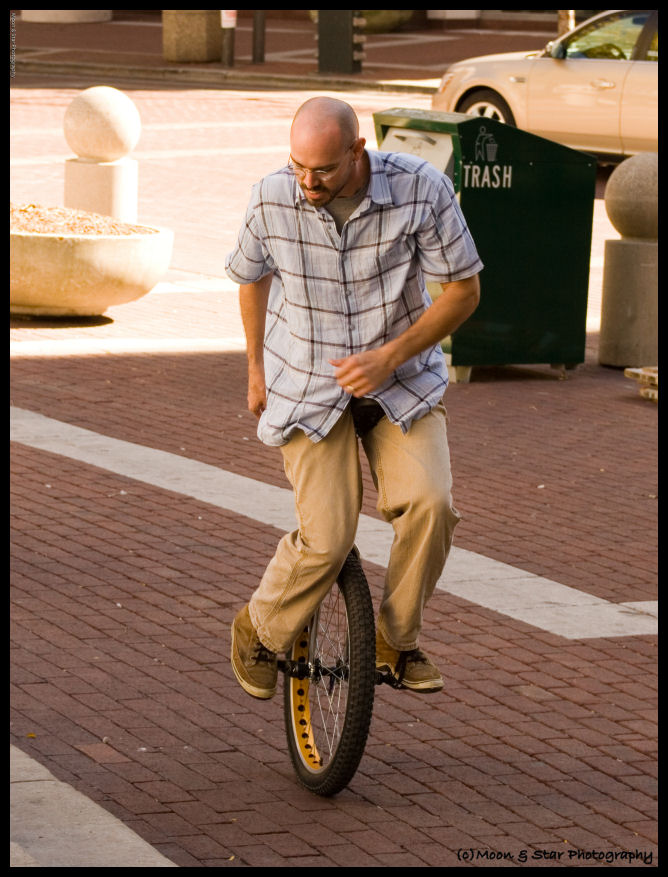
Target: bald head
[325,115]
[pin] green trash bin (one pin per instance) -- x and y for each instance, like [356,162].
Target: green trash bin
[529,205]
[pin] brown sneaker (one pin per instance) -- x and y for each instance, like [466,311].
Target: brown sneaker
[412,668]
[254,665]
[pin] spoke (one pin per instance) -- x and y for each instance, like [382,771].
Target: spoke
[331,690]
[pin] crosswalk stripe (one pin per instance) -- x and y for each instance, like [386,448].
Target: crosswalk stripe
[512,592]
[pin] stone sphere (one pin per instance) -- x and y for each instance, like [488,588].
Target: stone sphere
[102,124]
[631,197]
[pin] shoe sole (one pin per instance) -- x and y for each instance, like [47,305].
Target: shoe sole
[426,687]
[423,687]
[248,687]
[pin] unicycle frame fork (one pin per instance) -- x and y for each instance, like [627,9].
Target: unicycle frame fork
[312,670]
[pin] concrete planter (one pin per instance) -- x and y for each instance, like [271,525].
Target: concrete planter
[66,16]
[84,274]
[191,35]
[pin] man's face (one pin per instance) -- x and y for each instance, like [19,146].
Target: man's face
[325,172]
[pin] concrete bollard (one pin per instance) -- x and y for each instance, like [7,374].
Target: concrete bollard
[191,35]
[102,126]
[629,303]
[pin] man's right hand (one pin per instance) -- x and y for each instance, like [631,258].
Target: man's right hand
[257,393]
[253,298]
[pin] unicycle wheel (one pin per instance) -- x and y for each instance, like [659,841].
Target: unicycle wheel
[329,685]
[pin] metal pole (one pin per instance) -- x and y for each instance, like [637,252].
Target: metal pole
[228,20]
[258,36]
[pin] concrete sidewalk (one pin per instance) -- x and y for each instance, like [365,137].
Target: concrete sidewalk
[54,826]
[123,587]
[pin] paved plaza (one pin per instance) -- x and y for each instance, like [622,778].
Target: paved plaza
[144,510]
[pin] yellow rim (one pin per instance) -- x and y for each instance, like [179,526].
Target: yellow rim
[301,708]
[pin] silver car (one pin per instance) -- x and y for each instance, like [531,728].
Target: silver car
[595,88]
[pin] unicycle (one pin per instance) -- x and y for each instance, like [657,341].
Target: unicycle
[330,679]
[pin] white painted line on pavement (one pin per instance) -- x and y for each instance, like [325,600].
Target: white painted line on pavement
[170,126]
[157,154]
[98,347]
[200,283]
[515,593]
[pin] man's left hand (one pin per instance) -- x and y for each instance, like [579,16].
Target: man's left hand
[362,373]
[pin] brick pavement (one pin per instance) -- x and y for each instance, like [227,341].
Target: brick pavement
[122,593]
[122,600]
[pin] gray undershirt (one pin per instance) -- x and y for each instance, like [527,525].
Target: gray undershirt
[341,209]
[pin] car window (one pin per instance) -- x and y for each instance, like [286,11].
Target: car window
[613,38]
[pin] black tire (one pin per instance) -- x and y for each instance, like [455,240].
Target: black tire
[328,713]
[487,103]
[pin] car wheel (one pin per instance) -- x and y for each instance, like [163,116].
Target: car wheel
[487,103]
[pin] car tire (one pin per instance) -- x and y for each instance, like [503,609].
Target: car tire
[487,103]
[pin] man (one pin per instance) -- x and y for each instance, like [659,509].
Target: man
[341,335]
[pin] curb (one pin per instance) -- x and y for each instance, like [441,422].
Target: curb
[221,77]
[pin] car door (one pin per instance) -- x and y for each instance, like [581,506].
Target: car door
[577,98]
[640,102]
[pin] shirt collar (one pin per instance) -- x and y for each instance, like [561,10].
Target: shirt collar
[379,188]
[378,191]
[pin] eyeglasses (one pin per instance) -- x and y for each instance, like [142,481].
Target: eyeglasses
[322,173]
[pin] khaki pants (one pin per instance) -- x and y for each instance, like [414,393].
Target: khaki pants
[412,475]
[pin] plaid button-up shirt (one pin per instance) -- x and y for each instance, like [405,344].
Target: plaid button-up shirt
[335,295]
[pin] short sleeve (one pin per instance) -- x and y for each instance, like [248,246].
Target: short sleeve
[446,248]
[249,260]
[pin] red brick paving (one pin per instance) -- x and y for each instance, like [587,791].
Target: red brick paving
[599,483]
[120,632]
[122,594]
